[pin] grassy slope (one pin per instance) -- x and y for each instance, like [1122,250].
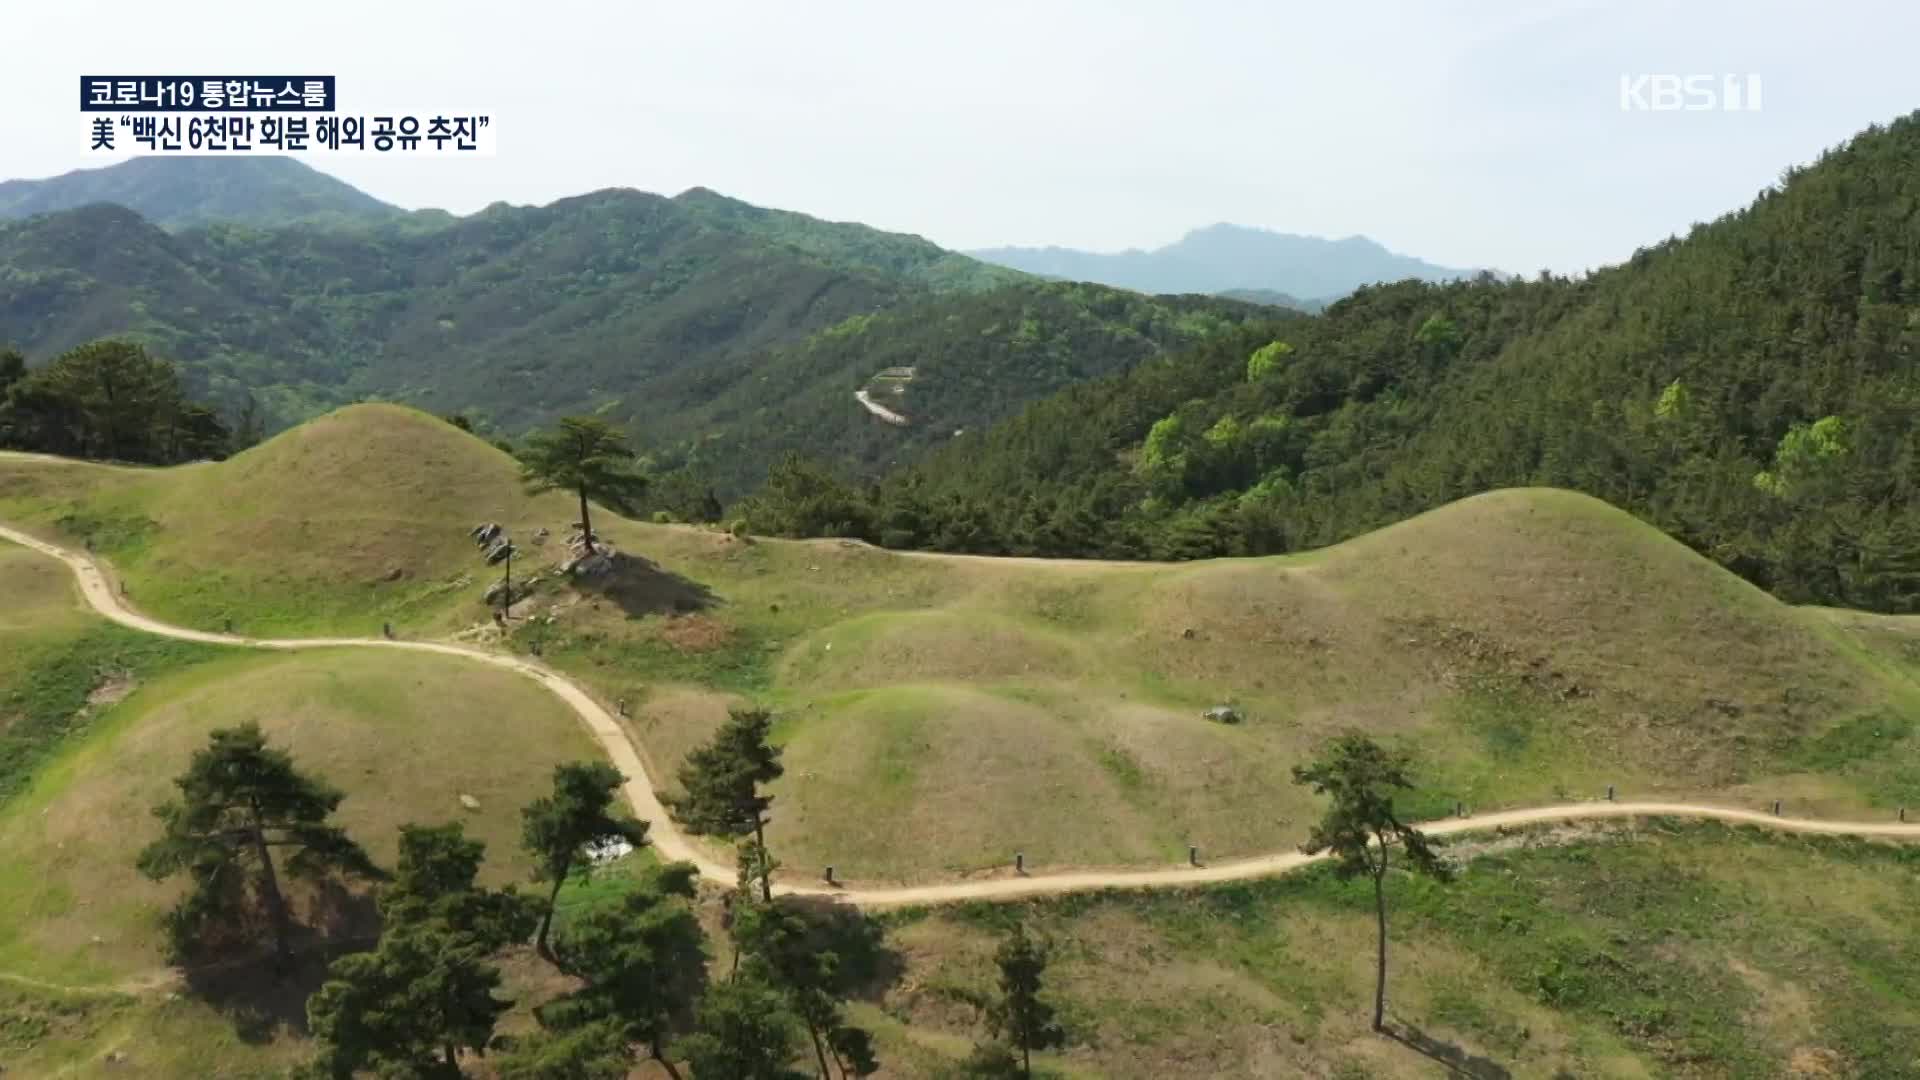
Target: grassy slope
[940,714]
[1536,638]
[354,519]
[95,721]
[1659,950]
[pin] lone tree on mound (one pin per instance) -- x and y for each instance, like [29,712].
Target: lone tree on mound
[238,801]
[722,783]
[1361,828]
[556,828]
[1020,1017]
[587,456]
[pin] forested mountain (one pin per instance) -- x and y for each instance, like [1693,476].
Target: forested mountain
[178,192]
[849,245]
[513,314]
[1223,258]
[720,333]
[946,365]
[1753,388]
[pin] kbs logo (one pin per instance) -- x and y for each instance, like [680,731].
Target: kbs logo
[1689,93]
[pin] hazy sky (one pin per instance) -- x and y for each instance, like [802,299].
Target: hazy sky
[1468,133]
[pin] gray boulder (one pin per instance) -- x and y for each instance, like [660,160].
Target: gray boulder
[591,565]
[1223,714]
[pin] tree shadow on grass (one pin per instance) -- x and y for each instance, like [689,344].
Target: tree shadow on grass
[262,998]
[868,965]
[639,586]
[1455,1059]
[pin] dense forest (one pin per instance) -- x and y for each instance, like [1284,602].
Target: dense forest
[975,358]
[110,400]
[1752,388]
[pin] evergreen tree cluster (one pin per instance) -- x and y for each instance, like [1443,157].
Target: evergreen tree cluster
[110,400]
[424,1001]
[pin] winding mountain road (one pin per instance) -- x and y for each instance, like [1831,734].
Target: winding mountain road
[671,844]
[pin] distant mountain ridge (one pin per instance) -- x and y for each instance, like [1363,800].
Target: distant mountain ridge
[719,332]
[1232,259]
[176,192]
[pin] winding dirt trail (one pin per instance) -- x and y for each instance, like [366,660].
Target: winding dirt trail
[671,844]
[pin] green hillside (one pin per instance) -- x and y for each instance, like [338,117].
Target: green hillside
[177,192]
[1751,388]
[849,245]
[96,719]
[937,713]
[721,333]
[511,315]
[1534,645]
[973,358]
[1665,950]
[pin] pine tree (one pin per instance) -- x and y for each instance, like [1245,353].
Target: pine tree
[426,992]
[1362,829]
[1020,1016]
[239,802]
[586,456]
[643,961]
[556,828]
[722,781]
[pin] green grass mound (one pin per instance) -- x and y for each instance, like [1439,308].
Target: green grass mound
[356,518]
[1532,644]
[921,646]
[403,735]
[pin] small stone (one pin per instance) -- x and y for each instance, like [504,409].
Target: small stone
[469,801]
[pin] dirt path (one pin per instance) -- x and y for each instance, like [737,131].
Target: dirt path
[866,401]
[671,844]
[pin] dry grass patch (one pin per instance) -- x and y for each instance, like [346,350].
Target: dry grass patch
[887,785]
[40,594]
[1604,605]
[925,646]
[673,721]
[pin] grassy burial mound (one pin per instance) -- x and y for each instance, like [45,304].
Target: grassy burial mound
[940,713]
[404,735]
[96,720]
[354,519]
